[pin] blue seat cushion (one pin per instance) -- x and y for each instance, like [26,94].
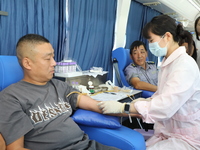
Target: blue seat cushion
[90,118]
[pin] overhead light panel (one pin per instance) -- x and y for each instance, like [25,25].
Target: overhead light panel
[152,4]
[195,3]
[170,14]
[186,9]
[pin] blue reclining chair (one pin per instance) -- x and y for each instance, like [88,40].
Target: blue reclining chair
[99,127]
[121,59]
[10,71]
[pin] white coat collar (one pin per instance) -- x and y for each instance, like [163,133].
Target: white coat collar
[179,51]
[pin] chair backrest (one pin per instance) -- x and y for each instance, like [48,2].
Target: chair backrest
[10,71]
[122,56]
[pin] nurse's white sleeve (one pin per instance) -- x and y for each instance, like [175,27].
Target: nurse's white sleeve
[143,108]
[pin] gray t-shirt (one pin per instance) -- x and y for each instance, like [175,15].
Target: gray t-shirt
[150,75]
[41,113]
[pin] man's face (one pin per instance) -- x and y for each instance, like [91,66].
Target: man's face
[139,55]
[42,63]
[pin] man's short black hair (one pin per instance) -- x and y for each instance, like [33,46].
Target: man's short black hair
[34,38]
[136,44]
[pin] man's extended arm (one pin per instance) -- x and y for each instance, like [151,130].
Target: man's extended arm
[86,102]
[141,85]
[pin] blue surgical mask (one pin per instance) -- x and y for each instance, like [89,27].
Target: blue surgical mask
[157,50]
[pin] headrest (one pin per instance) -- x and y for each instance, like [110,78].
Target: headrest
[122,56]
[10,71]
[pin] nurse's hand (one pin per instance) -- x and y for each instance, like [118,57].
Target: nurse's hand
[111,107]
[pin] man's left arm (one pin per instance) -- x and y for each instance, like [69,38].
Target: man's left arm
[86,102]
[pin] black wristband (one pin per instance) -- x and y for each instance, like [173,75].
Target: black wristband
[127,108]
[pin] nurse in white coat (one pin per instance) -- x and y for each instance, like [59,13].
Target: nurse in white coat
[175,107]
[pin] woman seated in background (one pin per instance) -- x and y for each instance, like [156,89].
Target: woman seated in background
[188,42]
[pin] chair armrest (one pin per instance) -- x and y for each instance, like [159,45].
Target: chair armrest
[94,119]
[108,131]
[123,138]
[147,94]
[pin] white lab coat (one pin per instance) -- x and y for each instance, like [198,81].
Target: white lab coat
[175,106]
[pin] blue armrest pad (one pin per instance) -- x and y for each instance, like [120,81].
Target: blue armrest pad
[90,118]
[147,94]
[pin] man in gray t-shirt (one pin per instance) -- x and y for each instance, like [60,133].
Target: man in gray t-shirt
[35,112]
[141,74]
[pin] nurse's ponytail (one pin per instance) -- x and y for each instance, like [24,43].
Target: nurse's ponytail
[179,32]
[184,37]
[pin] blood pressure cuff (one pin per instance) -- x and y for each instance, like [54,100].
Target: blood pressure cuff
[94,119]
